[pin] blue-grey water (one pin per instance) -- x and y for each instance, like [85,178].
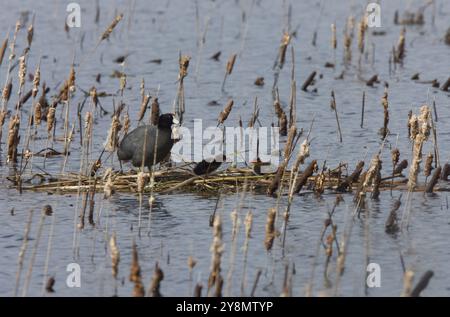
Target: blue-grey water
[178,225]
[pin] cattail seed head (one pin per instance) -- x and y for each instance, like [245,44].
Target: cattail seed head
[6,93]
[36,81]
[226,111]
[50,119]
[230,63]
[111,27]
[270,228]
[22,72]
[155,112]
[115,255]
[143,108]
[428,165]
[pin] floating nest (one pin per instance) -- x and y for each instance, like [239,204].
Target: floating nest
[180,180]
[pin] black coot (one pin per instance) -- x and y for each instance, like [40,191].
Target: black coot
[132,145]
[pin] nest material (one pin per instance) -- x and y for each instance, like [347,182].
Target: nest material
[181,180]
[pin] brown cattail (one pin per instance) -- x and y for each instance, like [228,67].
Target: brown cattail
[126,123]
[423,128]
[123,82]
[142,88]
[109,188]
[361,34]
[285,40]
[158,276]
[141,181]
[303,178]
[51,119]
[113,134]
[352,178]
[135,274]
[30,33]
[347,48]
[13,138]
[36,80]
[184,64]
[270,228]
[428,165]
[226,111]
[283,124]
[395,156]
[22,72]
[71,80]
[400,167]
[384,102]
[274,184]
[215,278]
[434,180]
[6,93]
[3,49]
[94,96]
[111,27]
[230,63]
[115,255]
[155,112]
[191,263]
[143,108]
[290,142]
[391,225]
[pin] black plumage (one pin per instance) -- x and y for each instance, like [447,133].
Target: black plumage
[132,145]
[205,167]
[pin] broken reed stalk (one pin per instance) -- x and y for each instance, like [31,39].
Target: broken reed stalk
[135,273]
[422,284]
[22,251]
[334,108]
[352,178]
[434,180]
[229,69]
[158,276]
[399,53]
[215,279]
[308,81]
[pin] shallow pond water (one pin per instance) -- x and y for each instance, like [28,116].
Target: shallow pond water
[178,225]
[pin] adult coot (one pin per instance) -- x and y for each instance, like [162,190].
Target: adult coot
[132,146]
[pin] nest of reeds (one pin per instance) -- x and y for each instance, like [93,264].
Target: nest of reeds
[171,180]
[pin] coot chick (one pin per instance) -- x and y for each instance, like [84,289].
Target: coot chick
[132,145]
[205,167]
